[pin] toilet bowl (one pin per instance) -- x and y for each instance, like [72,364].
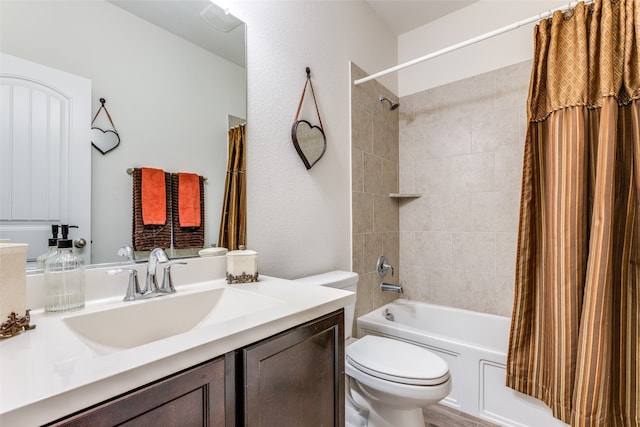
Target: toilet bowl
[397,380]
[389,381]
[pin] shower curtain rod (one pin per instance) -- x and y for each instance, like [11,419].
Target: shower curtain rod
[469,42]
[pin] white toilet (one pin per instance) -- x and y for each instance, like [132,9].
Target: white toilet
[390,379]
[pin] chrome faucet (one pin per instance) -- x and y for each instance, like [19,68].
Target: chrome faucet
[391,287]
[151,289]
[151,285]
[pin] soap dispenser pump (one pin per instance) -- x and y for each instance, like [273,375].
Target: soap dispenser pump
[64,278]
[52,247]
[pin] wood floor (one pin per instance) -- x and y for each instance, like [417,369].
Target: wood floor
[443,416]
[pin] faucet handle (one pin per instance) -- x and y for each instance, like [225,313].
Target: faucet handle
[383,266]
[167,282]
[156,256]
[133,287]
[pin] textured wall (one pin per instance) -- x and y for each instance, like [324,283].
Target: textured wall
[375,174]
[461,146]
[300,221]
[478,18]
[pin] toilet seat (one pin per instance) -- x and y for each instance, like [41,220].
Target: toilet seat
[397,361]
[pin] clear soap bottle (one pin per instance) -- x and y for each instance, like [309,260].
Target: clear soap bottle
[64,279]
[52,248]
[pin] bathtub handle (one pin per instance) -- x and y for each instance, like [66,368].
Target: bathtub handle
[383,266]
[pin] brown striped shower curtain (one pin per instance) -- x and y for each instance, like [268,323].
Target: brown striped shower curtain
[575,334]
[233,221]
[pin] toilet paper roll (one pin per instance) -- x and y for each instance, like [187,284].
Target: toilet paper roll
[13,279]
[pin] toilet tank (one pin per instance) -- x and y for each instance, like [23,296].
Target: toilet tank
[346,280]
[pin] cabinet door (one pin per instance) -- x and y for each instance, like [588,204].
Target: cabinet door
[296,378]
[195,397]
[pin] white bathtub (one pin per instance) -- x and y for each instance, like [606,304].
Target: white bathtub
[474,345]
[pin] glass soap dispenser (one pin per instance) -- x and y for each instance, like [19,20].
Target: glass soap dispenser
[52,248]
[64,279]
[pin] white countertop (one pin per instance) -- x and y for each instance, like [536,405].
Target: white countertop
[49,372]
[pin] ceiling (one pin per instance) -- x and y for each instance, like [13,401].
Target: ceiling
[401,16]
[182,17]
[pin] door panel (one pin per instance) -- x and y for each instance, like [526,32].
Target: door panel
[45,153]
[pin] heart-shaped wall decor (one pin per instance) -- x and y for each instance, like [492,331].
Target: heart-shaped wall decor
[309,141]
[104,140]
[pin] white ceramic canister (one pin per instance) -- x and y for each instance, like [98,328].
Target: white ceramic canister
[242,266]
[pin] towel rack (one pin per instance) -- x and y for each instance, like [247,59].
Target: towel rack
[130,172]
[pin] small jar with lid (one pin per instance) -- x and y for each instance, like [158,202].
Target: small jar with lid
[242,266]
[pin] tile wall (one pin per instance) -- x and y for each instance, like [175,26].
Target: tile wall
[461,147]
[375,175]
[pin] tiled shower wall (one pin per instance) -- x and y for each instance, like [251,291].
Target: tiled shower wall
[375,175]
[461,147]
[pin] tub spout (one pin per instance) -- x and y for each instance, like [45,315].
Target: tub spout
[389,287]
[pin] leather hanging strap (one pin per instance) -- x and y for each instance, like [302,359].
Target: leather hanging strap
[307,82]
[102,107]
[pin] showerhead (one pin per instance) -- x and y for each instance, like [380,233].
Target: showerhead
[392,105]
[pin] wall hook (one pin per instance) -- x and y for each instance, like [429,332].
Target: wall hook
[308,72]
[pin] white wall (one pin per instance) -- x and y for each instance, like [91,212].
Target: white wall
[479,18]
[299,221]
[166,118]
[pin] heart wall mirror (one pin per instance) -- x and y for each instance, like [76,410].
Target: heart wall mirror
[104,140]
[309,141]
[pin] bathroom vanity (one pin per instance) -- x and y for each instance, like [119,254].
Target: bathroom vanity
[279,360]
[288,379]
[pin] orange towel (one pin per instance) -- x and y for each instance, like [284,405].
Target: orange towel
[154,197]
[189,199]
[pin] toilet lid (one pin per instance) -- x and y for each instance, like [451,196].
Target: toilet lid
[397,361]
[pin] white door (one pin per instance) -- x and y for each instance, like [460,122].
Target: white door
[45,154]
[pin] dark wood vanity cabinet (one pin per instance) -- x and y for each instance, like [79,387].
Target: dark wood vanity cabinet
[295,378]
[194,397]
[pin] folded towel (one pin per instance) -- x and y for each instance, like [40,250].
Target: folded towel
[186,237]
[189,199]
[147,237]
[154,197]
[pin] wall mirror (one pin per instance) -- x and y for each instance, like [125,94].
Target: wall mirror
[171,78]
[309,141]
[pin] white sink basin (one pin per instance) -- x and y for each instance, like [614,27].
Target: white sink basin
[141,322]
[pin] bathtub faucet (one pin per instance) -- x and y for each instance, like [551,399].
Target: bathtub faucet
[390,287]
